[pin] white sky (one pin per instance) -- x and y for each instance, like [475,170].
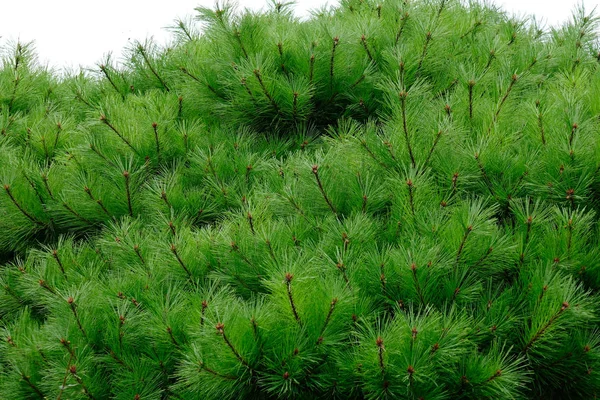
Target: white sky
[72,33]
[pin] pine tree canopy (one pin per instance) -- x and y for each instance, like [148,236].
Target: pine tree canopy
[388,200]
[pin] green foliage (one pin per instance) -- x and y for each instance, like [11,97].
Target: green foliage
[387,200]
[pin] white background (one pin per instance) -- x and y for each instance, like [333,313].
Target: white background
[73,33]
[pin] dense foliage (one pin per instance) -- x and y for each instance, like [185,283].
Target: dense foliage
[392,199]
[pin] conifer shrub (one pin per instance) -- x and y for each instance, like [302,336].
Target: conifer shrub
[392,199]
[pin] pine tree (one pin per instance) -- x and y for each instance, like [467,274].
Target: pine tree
[385,200]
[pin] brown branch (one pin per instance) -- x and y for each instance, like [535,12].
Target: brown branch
[403,95]
[572,136]
[404,18]
[102,156]
[106,122]
[413,269]
[380,350]
[251,223]
[73,307]
[170,332]
[540,122]
[97,201]
[311,69]
[238,37]
[76,214]
[147,61]
[468,231]
[288,283]
[221,331]
[363,40]
[128,192]
[258,76]
[315,171]
[486,179]
[336,41]
[27,380]
[105,72]
[424,53]
[327,319]
[435,142]
[16,203]
[155,129]
[471,84]
[136,249]
[513,80]
[59,262]
[411,199]
[180,261]
[215,373]
[45,180]
[544,328]
[73,371]
[370,152]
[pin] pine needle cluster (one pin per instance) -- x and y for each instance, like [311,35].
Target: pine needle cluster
[389,199]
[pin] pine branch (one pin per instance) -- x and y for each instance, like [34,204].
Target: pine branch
[424,53]
[236,249]
[203,312]
[30,217]
[142,51]
[413,269]
[327,319]
[78,379]
[404,18]
[258,76]
[336,41]
[155,129]
[64,382]
[238,37]
[123,138]
[110,80]
[380,350]
[315,171]
[47,287]
[173,340]
[180,261]
[403,96]
[34,387]
[411,200]
[59,262]
[136,249]
[35,190]
[99,202]
[435,142]
[471,85]
[208,86]
[370,152]
[540,122]
[102,156]
[486,179]
[251,223]
[363,40]
[461,247]
[572,135]
[76,214]
[311,69]
[221,331]
[545,327]
[203,367]
[45,181]
[513,80]
[73,308]
[288,284]
[126,176]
